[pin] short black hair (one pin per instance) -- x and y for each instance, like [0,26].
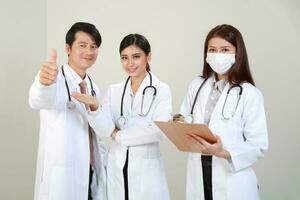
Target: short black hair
[84,27]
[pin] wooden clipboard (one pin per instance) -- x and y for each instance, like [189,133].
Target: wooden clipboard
[178,134]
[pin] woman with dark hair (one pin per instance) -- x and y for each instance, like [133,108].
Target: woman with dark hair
[227,101]
[135,168]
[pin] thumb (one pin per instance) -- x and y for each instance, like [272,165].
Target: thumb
[53,55]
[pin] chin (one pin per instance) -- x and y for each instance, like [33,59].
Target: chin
[87,65]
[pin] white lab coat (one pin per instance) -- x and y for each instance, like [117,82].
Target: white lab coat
[63,154]
[146,174]
[244,136]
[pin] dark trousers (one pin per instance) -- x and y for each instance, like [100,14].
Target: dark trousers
[90,183]
[207,176]
[125,176]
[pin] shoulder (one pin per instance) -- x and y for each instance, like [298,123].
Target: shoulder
[196,82]
[162,86]
[115,89]
[251,92]
[198,79]
[116,86]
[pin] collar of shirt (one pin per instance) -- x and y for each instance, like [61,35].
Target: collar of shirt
[75,79]
[219,85]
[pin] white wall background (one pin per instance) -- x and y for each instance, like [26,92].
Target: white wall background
[176,31]
[22,47]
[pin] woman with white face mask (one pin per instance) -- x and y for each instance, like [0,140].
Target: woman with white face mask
[135,169]
[226,99]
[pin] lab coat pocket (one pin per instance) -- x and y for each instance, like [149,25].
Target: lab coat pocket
[153,175]
[194,177]
[62,183]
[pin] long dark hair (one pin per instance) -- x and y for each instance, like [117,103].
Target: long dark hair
[137,40]
[240,71]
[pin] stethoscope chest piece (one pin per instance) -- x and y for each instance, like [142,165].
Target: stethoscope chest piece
[71,105]
[189,119]
[121,122]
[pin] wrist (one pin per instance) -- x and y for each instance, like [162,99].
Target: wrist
[224,154]
[94,107]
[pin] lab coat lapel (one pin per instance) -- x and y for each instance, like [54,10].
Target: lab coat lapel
[127,99]
[202,100]
[136,106]
[218,108]
[73,82]
[149,94]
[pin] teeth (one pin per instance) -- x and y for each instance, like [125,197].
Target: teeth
[132,69]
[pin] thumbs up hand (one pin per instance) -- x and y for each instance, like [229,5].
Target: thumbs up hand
[49,70]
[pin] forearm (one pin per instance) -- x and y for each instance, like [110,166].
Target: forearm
[101,122]
[41,96]
[139,135]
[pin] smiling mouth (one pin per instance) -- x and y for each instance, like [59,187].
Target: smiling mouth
[89,59]
[132,69]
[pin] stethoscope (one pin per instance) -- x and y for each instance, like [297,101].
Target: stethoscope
[70,104]
[121,121]
[190,117]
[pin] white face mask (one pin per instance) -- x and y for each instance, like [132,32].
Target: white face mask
[220,62]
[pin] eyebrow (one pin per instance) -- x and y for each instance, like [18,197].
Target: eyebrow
[135,54]
[82,42]
[221,46]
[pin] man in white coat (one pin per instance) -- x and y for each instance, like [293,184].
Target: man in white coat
[70,158]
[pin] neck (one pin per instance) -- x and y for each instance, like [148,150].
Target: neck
[220,77]
[80,72]
[136,82]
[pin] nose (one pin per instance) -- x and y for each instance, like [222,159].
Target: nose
[90,50]
[130,62]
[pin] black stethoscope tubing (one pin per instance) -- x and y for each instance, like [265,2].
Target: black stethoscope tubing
[93,93]
[233,86]
[144,91]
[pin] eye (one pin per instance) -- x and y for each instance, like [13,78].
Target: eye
[82,45]
[136,57]
[211,50]
[94,46]
[123,58]
[225,50]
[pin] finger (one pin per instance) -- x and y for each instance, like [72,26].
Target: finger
[188,136]
[47,70]
[201,140]
[50,65]
[218,140]
[83,98]
[46,81]
[217,137]
[47,76]
[53,56]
